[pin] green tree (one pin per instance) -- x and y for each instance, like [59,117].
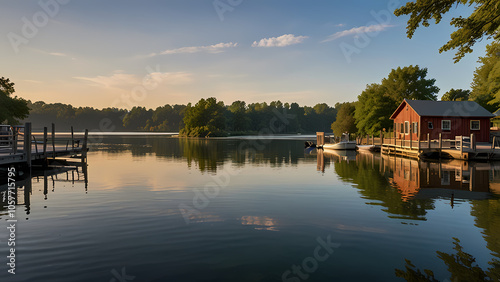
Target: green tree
[11,108]
[239,119]
[486,82]
[410,83]
[456,95]
[345,119]
[483,22]
[205,119]
[325,116]
[373,109]
[378,101]
[137,118]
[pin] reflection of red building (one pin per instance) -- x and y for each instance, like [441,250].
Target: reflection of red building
[414,119]
[411,176]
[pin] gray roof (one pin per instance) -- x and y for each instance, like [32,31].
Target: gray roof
[448,108]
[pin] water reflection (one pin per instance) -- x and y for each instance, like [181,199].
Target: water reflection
[25,179]
[407,188]
[208,154]
[461,265]
[259,222]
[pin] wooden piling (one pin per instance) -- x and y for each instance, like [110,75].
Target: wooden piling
[84,146]
[428,141]
[320,138]
[72,139]
[27,143]
[53,135]
[14,141]
[472,142]
[461,147]
[440,145]
[45,143]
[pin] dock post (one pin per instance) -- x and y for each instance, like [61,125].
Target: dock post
[373,139]
[394,135]
[381,138]
[428,141]
[440,145]
[418,137]
[320,138]
[72,139]
[472,142]
[461,147]
[14,140]
[403,141]
[84,146]
[53,135]
[27,143]
[45,145]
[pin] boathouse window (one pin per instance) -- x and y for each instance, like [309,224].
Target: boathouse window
[446,124]
[430,125]
[407,127]
[401,128]
[415,127]
[474,125]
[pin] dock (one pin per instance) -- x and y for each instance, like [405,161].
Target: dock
[461,148]
[20,146]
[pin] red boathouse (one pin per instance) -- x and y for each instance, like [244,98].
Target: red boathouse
[413,119]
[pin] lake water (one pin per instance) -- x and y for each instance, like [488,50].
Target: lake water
[167,209]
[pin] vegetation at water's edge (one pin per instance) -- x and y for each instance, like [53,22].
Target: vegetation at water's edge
[208,117]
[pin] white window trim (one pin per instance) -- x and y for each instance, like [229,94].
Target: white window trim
[442,122]
[479,125]
[407,131]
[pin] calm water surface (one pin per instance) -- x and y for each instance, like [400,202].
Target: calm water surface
[167,209]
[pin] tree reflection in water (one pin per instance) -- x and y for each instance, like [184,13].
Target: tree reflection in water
[462,266]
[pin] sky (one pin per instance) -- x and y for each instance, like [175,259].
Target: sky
[125,53]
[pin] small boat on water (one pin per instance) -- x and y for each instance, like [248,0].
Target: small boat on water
[344,144]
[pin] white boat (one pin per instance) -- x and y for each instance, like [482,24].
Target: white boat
[344,144]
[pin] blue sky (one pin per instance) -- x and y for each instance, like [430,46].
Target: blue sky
[150,53]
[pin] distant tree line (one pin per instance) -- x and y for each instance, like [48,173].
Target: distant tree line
[208,117]
[211,118]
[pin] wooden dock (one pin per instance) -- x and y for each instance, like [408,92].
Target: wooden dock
[462,148]
[19,145]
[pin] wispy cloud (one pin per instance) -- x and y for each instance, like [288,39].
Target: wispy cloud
[340,25]
[281,41]
[58,54]
[357,30]
[124,80]
[213,49]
